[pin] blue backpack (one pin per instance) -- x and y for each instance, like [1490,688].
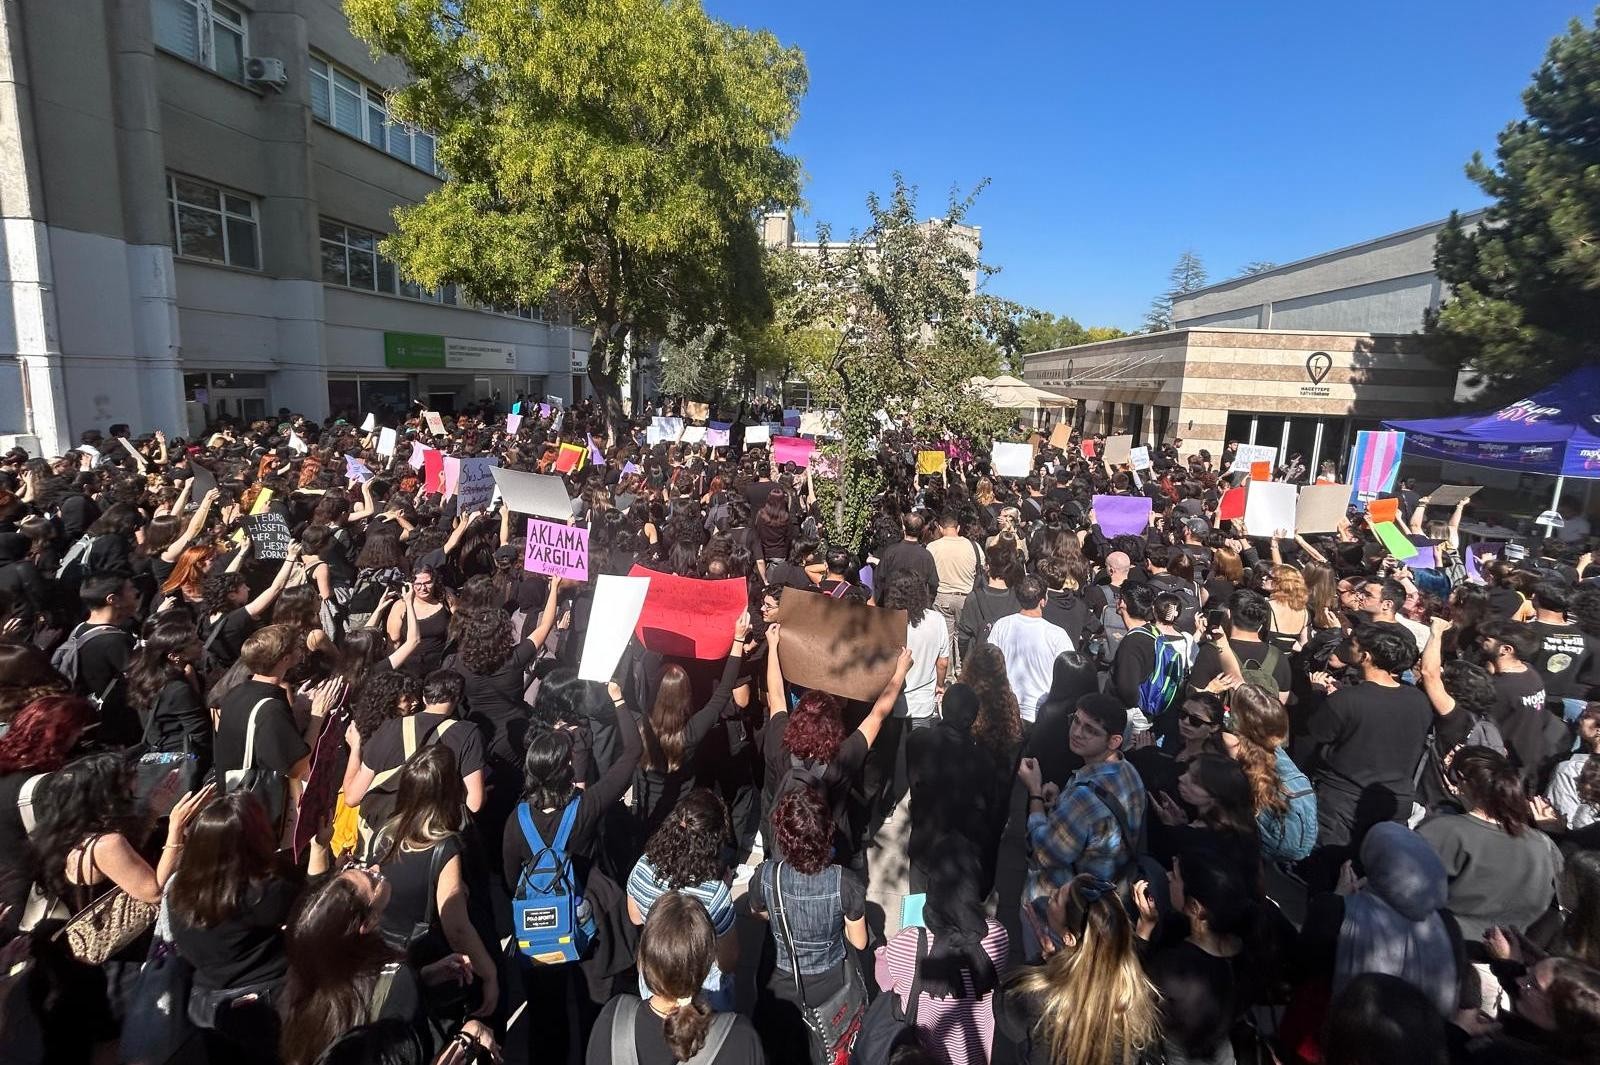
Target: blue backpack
[1161,689]
[550,917]
[1291,835]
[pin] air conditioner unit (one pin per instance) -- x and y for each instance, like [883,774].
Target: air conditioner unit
[264,70]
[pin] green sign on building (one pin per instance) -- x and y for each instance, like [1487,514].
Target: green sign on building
[413,351]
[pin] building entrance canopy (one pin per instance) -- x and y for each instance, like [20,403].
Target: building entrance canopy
[1555,431]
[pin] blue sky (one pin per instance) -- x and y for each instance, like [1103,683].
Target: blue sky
[1117,134]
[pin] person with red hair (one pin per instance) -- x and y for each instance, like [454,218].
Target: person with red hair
[40,737]
[810,744]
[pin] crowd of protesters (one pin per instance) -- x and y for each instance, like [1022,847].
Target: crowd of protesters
[1181,795]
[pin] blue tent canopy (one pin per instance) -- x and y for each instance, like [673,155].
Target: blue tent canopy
[1555,431]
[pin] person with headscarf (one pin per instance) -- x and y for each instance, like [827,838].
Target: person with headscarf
[956,961]
[953,792]
[1394,922]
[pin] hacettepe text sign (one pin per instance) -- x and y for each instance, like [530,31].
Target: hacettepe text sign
[424,351]
[557,550]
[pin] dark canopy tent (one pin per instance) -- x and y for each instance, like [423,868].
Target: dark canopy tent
[1555,431]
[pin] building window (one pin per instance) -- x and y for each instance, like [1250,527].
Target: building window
[208,32]
[350,257]
[212,223]
[361,110]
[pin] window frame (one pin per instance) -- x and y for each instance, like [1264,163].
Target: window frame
[206,19]
[376,127]
[224,214]
[444,295]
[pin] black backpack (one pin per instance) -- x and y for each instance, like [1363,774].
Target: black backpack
[65,660]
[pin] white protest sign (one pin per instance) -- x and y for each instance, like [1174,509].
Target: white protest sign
[533,493]
[370,424]
[1011,460]
[1139,457]
[1269,506]
[296,444]
[435,423]
[693,434]
[1249,454]
[387,438]
[664,430]
[618,602]
[757,434]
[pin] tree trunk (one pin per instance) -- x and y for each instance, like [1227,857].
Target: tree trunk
[603,378]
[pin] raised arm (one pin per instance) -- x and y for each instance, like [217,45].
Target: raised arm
[175,549]
[547,617]
[777,700]
[1431,669]
[413,638]
[263,602]
[886,699]
[366,508]
[161,448]
[708,714]
[609,788]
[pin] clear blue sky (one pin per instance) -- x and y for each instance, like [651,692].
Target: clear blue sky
[1117,134]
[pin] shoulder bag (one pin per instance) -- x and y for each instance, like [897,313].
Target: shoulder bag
[834,1023]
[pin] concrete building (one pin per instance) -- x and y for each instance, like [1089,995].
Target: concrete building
[777,232]
[191,192]
[1299,357]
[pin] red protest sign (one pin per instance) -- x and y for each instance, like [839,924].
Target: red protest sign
[688,618]
[433,470]
[1232,506]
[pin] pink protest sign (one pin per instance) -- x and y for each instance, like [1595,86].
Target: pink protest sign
[557,550]
[793,449]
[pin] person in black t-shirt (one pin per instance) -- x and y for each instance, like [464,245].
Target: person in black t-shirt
[1568,658]
[279,745]
[104,648]
[1248,613]
[1535,739]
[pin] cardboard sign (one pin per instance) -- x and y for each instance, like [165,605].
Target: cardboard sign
[1427,556]
[533,493]
[545,409]
[664,430]
[556,401]
[513,423]
[818,423]
[793,449]
[356,471]
[1448,495]
[452,475]
[557,550]
[387,439]
[618,602]
[476,487]
[1268,507]
[269,536]
[1139,457]
[1383,509]
[433,471]
[757,434]
[1122,515]
[1474,558]
[1250,454]
[1061,436]
[843,648]
[1231,507]
[1118,449]
[435,423]
[684,617]
[791,418]
[263,500]
[203,480]
[370,424]
[1394,541]
[1011,460]
[1321,508]
[930,461]
[597,455]
[571,457]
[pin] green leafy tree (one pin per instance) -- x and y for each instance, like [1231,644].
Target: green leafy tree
[1188,274]
[899,323]
[615,156]
[1525,285]
[1042,331]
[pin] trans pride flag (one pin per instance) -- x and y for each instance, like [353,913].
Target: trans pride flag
[1374,464]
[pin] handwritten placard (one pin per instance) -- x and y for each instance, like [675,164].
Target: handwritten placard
[476,487]
[435,423]
[269,536]
[557,550]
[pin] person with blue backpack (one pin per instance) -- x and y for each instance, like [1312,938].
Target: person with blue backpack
[1151,666]
[564,909]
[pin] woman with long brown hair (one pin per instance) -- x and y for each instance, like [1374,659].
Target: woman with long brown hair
[1322,596]
[1285,803]
[1287,628]
[1090,1003]
[673,730]
[1227,575]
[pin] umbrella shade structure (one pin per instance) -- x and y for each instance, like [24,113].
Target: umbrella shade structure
[1555,431]
[1011,393]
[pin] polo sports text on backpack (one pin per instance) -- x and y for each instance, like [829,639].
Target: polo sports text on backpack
[1161,688]
[65,660]
[550,917]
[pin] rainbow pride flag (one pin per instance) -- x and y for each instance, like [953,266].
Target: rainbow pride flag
[1374,464]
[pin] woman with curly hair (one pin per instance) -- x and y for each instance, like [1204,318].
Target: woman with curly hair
[40,737]
[1287,626]
[817,909]
[809,743]
[685,857]
[998,726]
[165,687]
[496,671]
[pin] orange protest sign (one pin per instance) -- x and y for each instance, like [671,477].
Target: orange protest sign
[1383,509]
[1261,471]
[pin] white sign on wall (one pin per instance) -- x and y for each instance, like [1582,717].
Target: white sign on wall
[478,355]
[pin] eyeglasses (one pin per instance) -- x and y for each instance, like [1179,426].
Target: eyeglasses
[1197,720]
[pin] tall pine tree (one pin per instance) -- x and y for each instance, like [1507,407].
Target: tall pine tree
[1188,274]
[1525,299]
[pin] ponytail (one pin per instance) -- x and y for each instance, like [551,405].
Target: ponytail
[1489,784]
[685,1028]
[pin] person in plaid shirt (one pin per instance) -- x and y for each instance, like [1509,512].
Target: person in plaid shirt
[1093,824]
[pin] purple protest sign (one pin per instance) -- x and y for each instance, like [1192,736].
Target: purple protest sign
[513,423]
[557,550]
[1474,559]
[544,410]
[1122,515]
[1427,557]
[356,471]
